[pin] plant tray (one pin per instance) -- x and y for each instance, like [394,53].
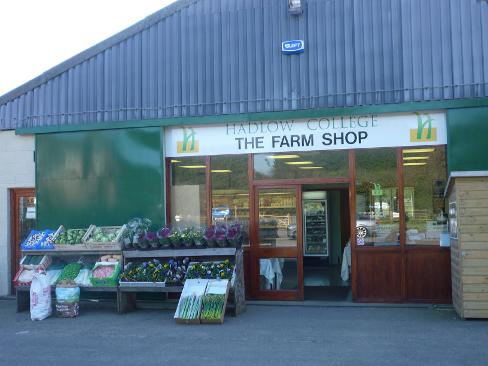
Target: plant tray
[142,284]
[115,244]
[232,279]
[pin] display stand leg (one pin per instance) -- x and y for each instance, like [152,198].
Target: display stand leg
[126,302]
[239,295]
[23,300]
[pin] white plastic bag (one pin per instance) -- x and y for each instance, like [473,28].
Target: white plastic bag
[40,297]
[83,278]
[53,275]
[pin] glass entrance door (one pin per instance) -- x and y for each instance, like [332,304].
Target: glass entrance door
[22,221]
[278,243]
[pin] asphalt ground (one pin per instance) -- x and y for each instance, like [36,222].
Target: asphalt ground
[264,335]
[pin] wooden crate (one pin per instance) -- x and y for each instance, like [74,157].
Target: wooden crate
[70,247]
[113,245]
[44,263]
[193,286]
[221,320]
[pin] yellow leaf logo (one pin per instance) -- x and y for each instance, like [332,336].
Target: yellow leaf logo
[189,144]
[424,131]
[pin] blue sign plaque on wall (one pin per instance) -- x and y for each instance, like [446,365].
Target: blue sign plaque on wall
[292,47]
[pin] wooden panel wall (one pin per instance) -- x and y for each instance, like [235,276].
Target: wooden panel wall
[428,275]
[379,276]
[470,251]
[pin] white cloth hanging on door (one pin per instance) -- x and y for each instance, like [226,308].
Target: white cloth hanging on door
[270,269]
[346,262]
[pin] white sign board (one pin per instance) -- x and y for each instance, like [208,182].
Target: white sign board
[30,213]
[325,133]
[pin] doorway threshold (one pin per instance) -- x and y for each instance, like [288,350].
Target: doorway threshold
[344,304]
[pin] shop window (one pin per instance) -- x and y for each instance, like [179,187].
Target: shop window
[278,274]
[314,164]
[188,192]
[424,172]
[230,191]
[277,218]
[377,209]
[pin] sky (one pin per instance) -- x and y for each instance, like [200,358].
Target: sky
[36,35]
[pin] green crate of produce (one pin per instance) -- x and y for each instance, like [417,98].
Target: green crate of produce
[105,274]
[69,272]
[105,237]
[69,237]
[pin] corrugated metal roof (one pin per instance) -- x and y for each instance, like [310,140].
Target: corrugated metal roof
[209,57]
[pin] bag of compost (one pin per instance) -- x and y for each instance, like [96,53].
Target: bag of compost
[67,299]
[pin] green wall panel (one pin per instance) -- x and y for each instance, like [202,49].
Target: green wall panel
[467,134]
[99,177]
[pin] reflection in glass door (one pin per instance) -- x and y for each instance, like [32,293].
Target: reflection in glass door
[279,243]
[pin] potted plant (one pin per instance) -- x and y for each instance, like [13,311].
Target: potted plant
[175,238]
[151,239]
[187,237]
[220,236]
[198,239]
[209,236]
[163,237]
[176,272]
[234,235]
[138,228]
[127,239]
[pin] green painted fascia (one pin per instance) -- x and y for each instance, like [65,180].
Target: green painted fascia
[262,116]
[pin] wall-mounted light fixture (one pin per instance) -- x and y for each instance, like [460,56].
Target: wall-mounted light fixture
[295,6]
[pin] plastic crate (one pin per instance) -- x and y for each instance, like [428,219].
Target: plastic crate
[111,281]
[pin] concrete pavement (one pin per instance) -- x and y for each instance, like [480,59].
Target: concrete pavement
[264,335]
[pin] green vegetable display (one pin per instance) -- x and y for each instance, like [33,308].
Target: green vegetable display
[213,306]
[69,272]
[190,307]
[71,237]
[100,235]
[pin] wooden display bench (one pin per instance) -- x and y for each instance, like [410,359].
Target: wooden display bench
[23,292]
[236,301]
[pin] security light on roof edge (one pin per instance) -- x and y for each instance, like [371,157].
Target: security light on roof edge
[295,7]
